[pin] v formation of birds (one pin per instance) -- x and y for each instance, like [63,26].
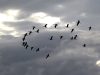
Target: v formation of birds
[25,44]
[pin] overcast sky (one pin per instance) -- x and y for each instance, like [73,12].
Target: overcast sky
[67,57]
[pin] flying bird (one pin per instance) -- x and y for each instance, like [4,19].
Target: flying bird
[84,45]
[32,48]
[38,50]
[71,38]
[25,34]
[75,38]
[55,25]
[45,26]
[37,31]
[51,38]
[90,28]
[33,27]
[67,26]
[27,46]
[61,37]
[75,35]
[23,38]
[23,43]
[78,22]
[30,32]
[72,30]
[47,56]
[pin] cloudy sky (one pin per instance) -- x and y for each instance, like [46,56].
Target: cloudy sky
[67,57]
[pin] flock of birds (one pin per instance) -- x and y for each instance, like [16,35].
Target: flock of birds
[55,25]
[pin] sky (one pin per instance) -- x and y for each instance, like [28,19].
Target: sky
[67,57]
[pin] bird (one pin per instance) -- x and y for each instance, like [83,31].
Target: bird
[72,30]
[78,22]
[33,27]
[90,28]
[61,37]
[71,38]
[23,43]
[37,50]
[51,38]
[84,45]
[25,34]
[75,38]
[32,48]
[27,46]
[45,26]
[23,38]
[47,56]
[37,31]
[55,25]
[67,26]
[75,35]
[30,32]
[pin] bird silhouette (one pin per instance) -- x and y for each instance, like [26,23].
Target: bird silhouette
[78,22]
[27,46]
[67,26]
[25,34]
[72,30]
[33,27]
[61,37]
[90,28]
[30,32]
[71,38]
[45,26]
[37,31]
[51,38]
[55,25]
[75,38]
[47,56]
[84,45]
[23,43]
[75,35]
[32,48]
[23,38]
[38,50]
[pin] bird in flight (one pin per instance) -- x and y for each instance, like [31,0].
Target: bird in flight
[25,34]
[27,46]
[33,27]
[23,43]
[55,25]
[23,38]
[75,37]
[32,48]
[45,26]
[30,32]
[67,26]
[71,38]
[61,37]
[84,45]
[78,22]
[37,31]
[90,28]
[47,56]
[51,38]
[38,50]
[72,30]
